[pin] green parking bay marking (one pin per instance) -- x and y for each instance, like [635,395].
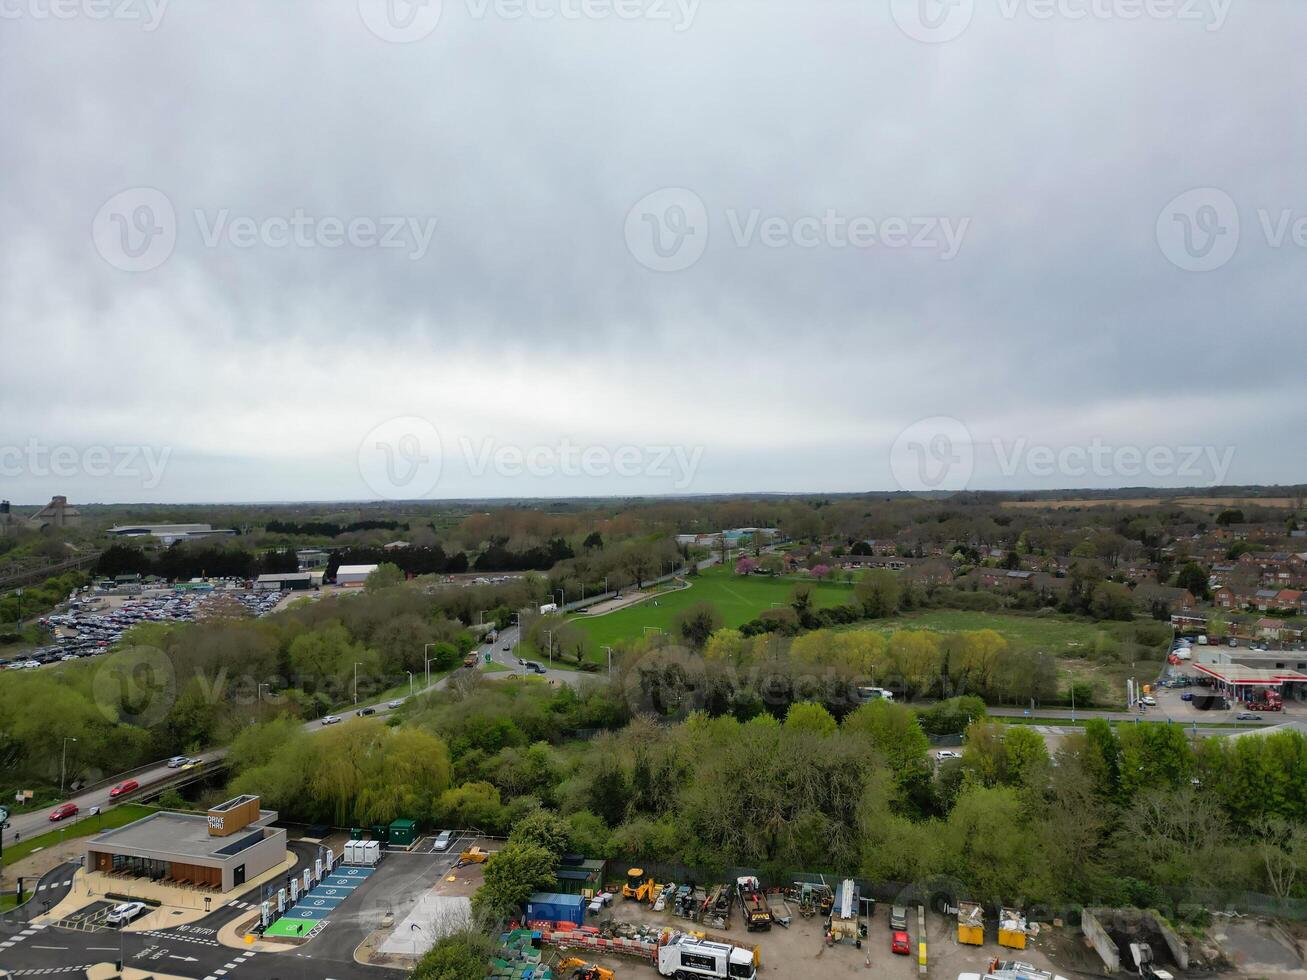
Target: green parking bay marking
[314,907]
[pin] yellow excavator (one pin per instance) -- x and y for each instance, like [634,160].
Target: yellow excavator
[581,970]
[638,886]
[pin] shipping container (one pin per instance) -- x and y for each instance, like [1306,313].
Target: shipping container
[556,907]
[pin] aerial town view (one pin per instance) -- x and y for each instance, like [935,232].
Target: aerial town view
[621,489]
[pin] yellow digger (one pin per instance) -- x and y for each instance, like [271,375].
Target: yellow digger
[638,887]
[583,970]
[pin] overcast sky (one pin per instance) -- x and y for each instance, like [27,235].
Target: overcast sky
[345,249]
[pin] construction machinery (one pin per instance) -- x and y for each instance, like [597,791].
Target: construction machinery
[812,898]
[971,924]
[688,902]
[716,913]
[474,855]
[1011,929]
[845,923]
[687,958]
[639,887]
[753,903]
[581,970]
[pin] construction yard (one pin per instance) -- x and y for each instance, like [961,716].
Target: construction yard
[801,950]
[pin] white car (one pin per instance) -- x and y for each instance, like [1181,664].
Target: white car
[395,704]
[124,913]
[330,719]
[948,754]
[442,842]
[176,762]
[1148,701]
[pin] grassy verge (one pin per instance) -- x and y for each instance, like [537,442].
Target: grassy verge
[119,816]
[1144,719]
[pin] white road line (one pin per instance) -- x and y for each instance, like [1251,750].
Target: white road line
[49,947]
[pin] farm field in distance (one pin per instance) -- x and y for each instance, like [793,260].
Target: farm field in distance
[738,598]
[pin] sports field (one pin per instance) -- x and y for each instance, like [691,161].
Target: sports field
[1051,634]
[739,598]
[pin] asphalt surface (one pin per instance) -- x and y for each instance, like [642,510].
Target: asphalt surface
[190,950]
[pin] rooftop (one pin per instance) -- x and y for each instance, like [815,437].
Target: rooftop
[182,833]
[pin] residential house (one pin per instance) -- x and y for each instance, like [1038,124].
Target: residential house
[1171,598]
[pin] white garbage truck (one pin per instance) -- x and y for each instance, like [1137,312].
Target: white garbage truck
[687,958]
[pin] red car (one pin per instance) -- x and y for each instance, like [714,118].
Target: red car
[124,787]
[63,811]
[899,944]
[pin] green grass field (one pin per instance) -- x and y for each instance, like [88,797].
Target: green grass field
[1051,634]
[119,816]
[738,598]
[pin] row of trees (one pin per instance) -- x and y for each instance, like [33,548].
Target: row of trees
[1136,815]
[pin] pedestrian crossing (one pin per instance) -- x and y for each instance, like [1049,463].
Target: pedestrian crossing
[55,884]
[238,904]
[234,963]
[50,971]
[31,930]
[182,938]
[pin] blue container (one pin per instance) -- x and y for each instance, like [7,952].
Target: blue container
[556,907]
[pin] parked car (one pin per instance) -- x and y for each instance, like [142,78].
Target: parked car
[1148,700]
[362,712]
[126,786]
[331,719]
[899,944]
[898,918]
[1247,716]
[395,704]
[948,754]
[176,762]
[442,841]
[63,811]
[124,913]
[1187,696]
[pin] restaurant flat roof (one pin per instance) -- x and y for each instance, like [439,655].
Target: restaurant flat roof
[186,834]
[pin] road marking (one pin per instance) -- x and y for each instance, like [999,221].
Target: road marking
[49,947]
[104,949]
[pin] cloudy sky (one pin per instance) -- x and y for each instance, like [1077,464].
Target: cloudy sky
[354,249]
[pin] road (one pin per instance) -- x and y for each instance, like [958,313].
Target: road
[28,824]
[191,950]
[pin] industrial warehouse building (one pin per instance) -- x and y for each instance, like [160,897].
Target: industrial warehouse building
[292,581]
[232,844]
[354,576]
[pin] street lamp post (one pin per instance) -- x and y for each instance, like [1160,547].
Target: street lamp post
[427,665]
[259,693]
[550,634]
[63,762]
[610,660]
[357,664]
[410,682]
[425,648]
